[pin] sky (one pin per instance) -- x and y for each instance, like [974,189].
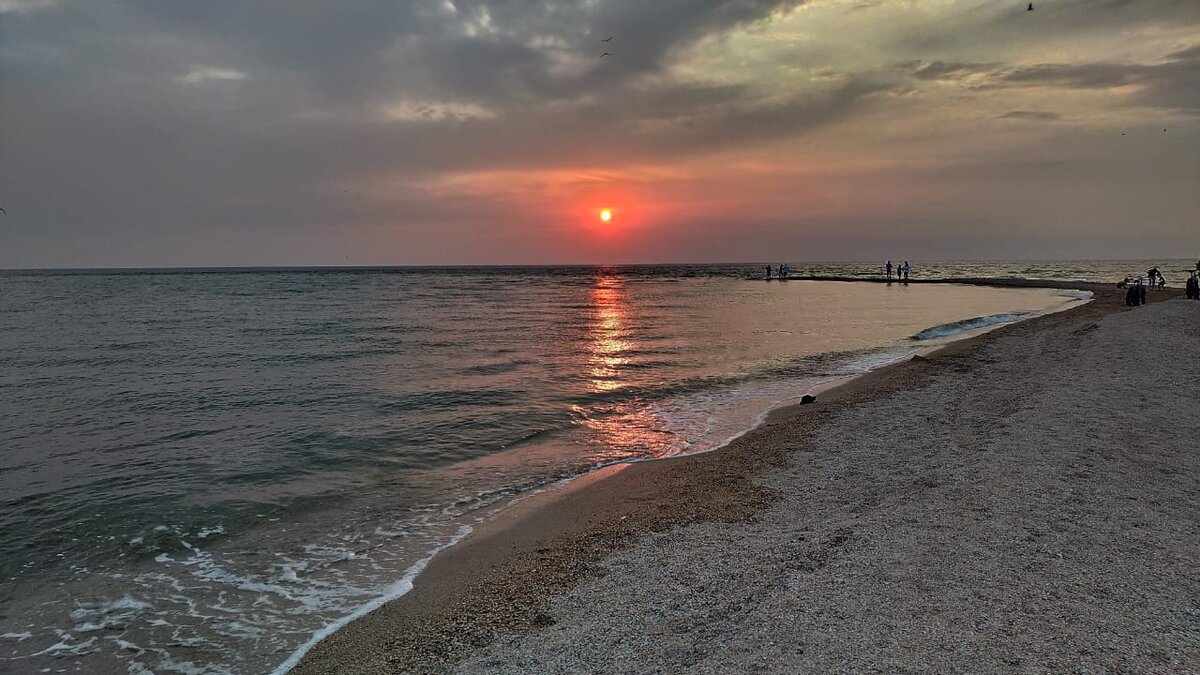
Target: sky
[140,133]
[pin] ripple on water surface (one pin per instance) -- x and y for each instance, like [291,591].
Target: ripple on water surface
[202,470]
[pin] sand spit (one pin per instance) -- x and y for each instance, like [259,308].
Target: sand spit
[1028,500]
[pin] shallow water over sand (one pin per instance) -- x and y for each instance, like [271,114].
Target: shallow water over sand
[199,470]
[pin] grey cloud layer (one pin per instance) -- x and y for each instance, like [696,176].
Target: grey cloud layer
[127,122]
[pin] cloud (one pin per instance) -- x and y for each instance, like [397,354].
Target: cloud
[1191,54]
[937,70]
[203,74]
[142,111]
[1077,75]
[25,6]
[434,111]
[1035,115]
[1172,84]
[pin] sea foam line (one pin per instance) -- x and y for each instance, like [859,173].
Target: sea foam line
[396,590]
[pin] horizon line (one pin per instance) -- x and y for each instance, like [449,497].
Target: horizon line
[365,267]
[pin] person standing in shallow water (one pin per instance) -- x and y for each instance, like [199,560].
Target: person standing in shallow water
[888,267]
[904,269]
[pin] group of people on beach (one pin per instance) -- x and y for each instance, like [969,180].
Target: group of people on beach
[784,271]
[1135,290]
[901,271]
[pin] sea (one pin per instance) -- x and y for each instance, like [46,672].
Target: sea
[203,470]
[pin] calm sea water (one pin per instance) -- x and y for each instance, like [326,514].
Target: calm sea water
[201,468]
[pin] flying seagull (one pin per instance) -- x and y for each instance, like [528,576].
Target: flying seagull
[607,39]
[605,54]
[1029,8]
[6,212]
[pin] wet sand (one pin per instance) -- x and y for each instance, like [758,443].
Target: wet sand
[962,281]
[1026,500]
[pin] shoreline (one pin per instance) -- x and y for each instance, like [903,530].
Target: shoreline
[1058,284]
[556,539]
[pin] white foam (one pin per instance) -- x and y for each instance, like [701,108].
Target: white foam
[125,602]
[207,532]
[396,590]
[966,325]
[876,360]
[63,647]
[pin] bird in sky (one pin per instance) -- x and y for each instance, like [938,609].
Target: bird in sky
[1029,8]
[607,39]
[605,54]
[6,212]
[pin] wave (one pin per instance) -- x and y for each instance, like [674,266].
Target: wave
[956,327]
[395,591]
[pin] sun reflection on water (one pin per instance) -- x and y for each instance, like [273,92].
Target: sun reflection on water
[609,335]
[627,427]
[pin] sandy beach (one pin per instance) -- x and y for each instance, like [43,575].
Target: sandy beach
[1026,500]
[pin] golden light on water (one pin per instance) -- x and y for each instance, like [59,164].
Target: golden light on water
[628,427]
[608,334]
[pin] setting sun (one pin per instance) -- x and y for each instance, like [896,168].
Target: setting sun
[606,215]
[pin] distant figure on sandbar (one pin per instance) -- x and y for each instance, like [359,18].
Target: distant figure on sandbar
[904,270]
[1193,287]
[888,267]
[1141,292]
[767,271]
[1152,276]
